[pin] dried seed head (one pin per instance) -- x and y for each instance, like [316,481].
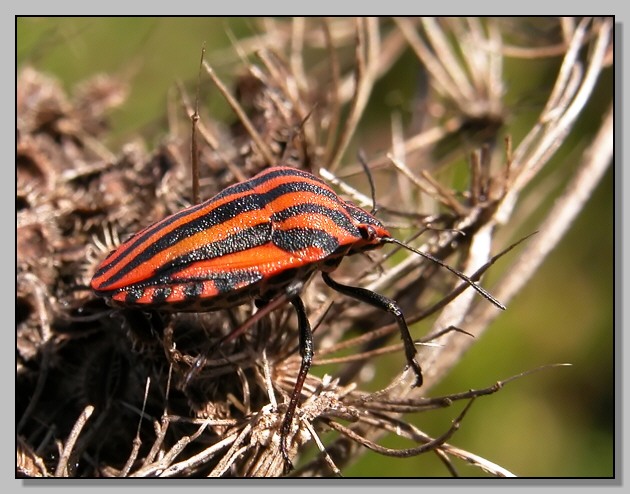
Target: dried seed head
[305,107]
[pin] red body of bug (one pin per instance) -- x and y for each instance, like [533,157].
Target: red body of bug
[252,240]
[249,241]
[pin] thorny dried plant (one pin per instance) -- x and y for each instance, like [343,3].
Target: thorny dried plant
[100,392]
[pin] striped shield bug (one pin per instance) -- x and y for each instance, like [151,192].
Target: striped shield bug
[258,239]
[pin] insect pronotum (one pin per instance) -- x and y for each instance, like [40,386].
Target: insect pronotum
[253,240]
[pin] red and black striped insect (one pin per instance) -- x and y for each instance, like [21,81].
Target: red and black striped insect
[253,240]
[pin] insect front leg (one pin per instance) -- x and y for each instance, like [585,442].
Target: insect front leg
[388,305]
[306,351]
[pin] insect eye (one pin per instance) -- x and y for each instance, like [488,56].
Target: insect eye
[368,232]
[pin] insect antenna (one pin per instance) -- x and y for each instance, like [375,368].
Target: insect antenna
[485,294]
[459,274]
[366,168]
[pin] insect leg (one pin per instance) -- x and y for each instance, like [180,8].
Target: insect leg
[388,305]
[292,290]
[306,351]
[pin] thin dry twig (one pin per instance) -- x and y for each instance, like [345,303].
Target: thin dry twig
[440,359]
[565,103]
[261,145]
[62,466]
[137,441]
[366,66]
[596,160]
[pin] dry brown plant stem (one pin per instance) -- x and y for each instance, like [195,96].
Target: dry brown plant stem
[596,160]
[62,466]
[533,153]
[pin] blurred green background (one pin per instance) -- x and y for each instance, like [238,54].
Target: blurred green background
[556,423]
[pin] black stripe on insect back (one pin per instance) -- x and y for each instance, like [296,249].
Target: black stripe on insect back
[340,219]
[224,283]
[297,239]
[133,294]
[228,282]
[193,290]
[220,213]
[216,216]
[248,238]
[259,180]
[161,294]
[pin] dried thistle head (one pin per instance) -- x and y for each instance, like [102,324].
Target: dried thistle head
[302,106]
